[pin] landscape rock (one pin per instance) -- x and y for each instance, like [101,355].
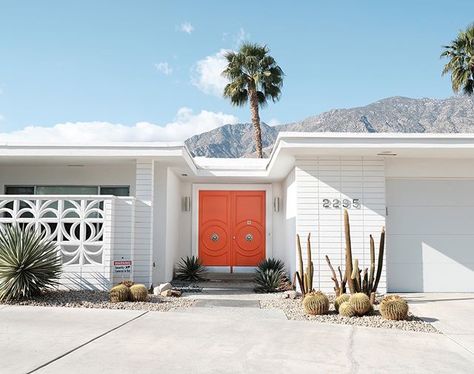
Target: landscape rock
[163,287]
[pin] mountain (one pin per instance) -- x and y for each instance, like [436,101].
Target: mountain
[394,114]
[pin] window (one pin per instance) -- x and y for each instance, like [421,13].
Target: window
[115,190]
[19,190]
[68,190]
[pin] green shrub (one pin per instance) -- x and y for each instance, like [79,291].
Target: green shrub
[190,269]
[28,263]
[270,276]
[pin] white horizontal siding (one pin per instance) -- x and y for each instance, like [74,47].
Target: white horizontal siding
[339,178]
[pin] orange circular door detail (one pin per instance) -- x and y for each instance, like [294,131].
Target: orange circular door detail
[231,228]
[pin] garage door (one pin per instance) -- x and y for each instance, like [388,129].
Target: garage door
[430,235]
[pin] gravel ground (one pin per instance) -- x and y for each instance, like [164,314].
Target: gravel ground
[100,300]
[294,310]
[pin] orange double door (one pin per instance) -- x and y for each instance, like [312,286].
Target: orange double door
[231,228]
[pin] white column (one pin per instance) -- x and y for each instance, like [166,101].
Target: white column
[143,233]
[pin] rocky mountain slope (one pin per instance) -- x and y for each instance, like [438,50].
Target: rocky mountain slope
[395,114]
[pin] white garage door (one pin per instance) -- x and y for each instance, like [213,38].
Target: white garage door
[430,235]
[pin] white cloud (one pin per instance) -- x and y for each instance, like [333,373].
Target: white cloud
[207,74]
[164,67]
[186,27]
[184,125]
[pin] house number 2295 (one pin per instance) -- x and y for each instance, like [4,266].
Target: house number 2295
[345,203]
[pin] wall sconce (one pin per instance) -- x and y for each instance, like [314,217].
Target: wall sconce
[276,204]
[186,204]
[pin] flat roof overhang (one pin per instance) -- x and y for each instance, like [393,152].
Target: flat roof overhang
[288,147]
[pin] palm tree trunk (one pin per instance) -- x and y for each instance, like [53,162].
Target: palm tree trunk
[256,121]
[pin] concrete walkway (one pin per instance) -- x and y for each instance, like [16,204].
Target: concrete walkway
[211,340]
[450,313]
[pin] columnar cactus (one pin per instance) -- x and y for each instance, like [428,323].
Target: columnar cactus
[305,279]
[346,309]
[369,280]
[138,292]
[316,303]
[119,293]
[394,307]
[339,300]
[361,303]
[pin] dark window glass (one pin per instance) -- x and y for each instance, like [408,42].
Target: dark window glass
[19,190]
[115,191]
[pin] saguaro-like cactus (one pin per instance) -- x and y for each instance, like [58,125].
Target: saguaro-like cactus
[367,282]
[305,279]
[347,232]
[339,288]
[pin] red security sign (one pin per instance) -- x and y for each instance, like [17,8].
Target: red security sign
[123,266]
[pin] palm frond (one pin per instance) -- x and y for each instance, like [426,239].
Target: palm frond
[461,61]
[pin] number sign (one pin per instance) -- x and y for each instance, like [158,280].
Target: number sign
[345,203]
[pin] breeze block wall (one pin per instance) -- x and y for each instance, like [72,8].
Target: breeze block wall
[324,186]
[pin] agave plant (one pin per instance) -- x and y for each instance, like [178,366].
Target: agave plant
[270,276]
[190,269]
[28,263]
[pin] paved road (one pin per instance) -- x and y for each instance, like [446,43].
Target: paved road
[212,340]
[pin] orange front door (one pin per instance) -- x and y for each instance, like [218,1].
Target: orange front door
[231,228]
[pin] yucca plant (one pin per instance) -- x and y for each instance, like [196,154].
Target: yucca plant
[270,276]
[190,269]
[29,263]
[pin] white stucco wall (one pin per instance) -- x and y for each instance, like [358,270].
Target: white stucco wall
[339,178]
[100,174]
[284,224]
[171,226]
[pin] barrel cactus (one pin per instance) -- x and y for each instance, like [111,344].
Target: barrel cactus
[339,300]
[346,309]
[127,283]
[394,307]
[138,292]
[361,303]
[316,303]
[119,293]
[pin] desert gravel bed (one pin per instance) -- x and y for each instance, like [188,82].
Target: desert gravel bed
[294,311]
[100,300]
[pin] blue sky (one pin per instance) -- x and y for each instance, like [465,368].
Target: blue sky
[120,67]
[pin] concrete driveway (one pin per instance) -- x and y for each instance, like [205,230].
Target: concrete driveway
[450,313]
[216,340]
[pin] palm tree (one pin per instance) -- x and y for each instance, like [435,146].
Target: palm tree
[461,61]
[254,76]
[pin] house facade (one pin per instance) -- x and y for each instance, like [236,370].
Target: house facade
[121,211]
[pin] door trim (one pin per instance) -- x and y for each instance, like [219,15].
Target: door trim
[233,187]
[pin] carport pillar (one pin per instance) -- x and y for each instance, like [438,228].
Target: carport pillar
[143,226]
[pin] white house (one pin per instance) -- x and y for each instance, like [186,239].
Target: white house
[153,203]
